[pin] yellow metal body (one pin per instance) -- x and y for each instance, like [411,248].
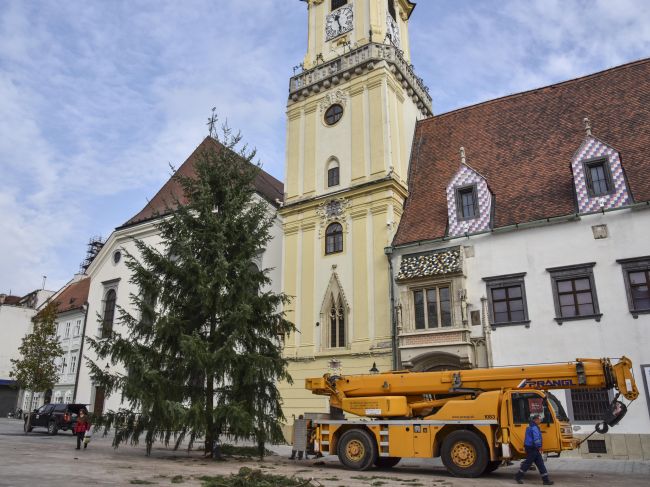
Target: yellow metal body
[412,414]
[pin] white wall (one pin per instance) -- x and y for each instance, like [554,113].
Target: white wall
[533,250]
[15,323]
[104,272]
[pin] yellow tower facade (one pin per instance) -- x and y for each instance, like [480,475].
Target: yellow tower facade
[351,115]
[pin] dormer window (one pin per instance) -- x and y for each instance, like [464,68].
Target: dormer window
[391,9]
[598,177]
[467,203]
[338,3]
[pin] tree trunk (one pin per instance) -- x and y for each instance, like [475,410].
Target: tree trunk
[209,420]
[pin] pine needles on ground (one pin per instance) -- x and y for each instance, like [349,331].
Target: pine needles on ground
[247,477]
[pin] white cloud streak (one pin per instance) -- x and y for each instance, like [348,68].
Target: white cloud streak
[98,97]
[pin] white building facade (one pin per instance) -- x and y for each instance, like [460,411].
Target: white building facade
[111,285]
[525,240]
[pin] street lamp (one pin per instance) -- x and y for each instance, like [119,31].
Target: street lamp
[374,370]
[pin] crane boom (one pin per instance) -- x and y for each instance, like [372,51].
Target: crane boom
[582,373]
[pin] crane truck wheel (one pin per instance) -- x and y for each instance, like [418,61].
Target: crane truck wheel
[387,462]
[492,466]
[464,454]
[357,449]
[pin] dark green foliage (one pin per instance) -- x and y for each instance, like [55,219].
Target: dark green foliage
[247,477]
[36,370]
[202,349]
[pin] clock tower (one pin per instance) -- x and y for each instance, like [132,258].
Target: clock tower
[351,116]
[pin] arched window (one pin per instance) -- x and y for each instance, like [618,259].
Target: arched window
[338,3]
[333,173]
[337,322]
[109,313]
[334,239]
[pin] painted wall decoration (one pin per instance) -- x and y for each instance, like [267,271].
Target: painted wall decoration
[464,177]
[593,148]
[430,264]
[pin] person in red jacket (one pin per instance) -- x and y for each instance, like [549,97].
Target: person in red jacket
[81,426]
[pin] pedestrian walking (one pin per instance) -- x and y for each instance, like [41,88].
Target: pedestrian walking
[81,427]
[533,445]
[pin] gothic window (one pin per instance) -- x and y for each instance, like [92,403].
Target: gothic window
[599,180]
[334,239]
[467,202]
[109,313]
[333,114]
[338,3]
[336,322]
[391,9]
[432,307]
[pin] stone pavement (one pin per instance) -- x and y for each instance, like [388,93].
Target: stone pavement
[38,459]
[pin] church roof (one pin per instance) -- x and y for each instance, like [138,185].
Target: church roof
[524,143]
[73,296]
[266,186]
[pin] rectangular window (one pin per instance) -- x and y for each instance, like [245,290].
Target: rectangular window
[338,3]
[596,446]
[574,292]
[507,299]
[467,203]
[332,177]
[73,362]
[64,365]
[598,175]
[636,277]
[589,404]
[77,328]
[67,330]
[432,307]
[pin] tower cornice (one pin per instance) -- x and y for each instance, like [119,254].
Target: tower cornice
[358,62]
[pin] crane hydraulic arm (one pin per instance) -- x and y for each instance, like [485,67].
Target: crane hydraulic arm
[412,388]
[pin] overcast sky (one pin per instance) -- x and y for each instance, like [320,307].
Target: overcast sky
[98,97]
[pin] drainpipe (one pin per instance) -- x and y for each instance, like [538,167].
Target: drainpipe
[81,352]
[487,330]
[393,318]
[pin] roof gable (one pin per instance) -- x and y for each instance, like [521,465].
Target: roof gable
[525,144]
[266,186]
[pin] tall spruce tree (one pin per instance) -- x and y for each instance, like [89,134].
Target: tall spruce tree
[202,352]
[36,368]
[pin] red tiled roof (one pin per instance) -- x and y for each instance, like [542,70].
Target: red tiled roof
[11,300]
[73,296]
[266,185]
[523,145]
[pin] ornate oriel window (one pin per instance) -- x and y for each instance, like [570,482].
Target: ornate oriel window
[336,329]
[432,307]
[334,239]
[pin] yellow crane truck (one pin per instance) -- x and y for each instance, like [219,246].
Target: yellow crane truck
[474,419]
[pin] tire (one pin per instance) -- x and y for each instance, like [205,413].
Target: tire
[387,462]
[464,454]
[26,429]
[491,467]
[52,428]
[357,449]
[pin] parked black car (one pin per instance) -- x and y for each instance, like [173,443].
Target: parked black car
[54,417]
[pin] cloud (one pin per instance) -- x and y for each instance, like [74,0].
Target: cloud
[98,97]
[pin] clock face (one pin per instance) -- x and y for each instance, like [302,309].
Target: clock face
[393,31]
[339,22]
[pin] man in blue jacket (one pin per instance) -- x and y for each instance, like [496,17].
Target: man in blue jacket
[533,445]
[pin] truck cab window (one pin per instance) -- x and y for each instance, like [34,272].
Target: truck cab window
[560,413]
[527,404]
